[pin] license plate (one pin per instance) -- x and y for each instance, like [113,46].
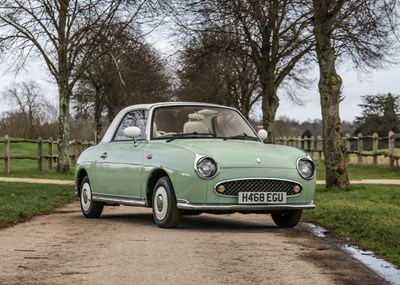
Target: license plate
[262,197]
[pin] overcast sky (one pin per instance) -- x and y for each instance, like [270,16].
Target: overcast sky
[354,86]
[376,82]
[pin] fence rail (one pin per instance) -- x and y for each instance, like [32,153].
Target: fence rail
[50,157]
[362,146]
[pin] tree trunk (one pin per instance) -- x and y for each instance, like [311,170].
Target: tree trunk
[63,155]
[63,89]
[98,107]
[329,85]
[270,103]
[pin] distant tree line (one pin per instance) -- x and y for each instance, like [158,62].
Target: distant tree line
[379,114]
[34,116]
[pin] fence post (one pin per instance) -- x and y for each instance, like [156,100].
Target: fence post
[40,154]
[312,146]
[348,147]
[58,154]
[320,141]
[50,151]
[6,154]
[293,143]
[306,144]
[391,148]
[375,141]
[72,160]
[299,144]
[360,148]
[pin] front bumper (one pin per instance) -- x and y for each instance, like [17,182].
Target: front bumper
[230,207]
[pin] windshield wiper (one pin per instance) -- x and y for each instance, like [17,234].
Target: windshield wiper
[241,137]
[188,135]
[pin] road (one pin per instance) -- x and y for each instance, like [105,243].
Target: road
[124,246]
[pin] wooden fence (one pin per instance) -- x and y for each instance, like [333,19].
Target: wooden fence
[47,151]
[361,146]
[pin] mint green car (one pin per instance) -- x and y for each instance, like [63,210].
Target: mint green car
[193,158]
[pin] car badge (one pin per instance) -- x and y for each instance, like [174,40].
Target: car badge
[258,160]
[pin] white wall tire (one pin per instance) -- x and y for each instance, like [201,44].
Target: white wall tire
[90,208]
[165,212]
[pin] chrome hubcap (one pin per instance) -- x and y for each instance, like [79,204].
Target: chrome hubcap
[160,203]
[86,197]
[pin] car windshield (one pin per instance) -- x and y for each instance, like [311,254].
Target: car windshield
[200,122]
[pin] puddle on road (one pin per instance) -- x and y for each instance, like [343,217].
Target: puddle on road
[383,268]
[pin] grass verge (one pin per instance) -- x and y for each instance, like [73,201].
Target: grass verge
[368,215]
[357,172]
[21,201]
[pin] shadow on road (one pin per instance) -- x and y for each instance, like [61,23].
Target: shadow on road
[204,222]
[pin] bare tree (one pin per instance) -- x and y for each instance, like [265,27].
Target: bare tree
[358,30]
[214,71]
[26,98]
[63,33]
[274,34]
[130,72]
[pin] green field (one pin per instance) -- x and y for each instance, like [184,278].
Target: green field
[29,167]
[357,172]
[21,201]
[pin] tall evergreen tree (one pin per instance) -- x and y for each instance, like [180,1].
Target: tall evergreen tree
[381,114]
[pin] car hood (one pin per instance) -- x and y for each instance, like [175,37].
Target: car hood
[238,153]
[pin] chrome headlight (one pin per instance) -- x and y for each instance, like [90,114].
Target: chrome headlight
[306,168]
[206,167]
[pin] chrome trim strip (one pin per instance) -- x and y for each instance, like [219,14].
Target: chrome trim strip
[130,201]
[222,207]
[255,178]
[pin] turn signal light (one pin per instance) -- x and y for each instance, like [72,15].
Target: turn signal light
[296,189]
[221,189]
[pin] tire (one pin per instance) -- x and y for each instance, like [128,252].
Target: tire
[287,219]
[90,208]
[165,212]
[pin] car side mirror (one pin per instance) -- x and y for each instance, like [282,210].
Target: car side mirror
[132,132]
[262,134]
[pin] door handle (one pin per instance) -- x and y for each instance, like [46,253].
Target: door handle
[104,155]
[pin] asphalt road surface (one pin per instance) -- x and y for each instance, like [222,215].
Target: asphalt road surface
[124,246]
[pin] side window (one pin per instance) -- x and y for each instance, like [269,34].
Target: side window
[136,118]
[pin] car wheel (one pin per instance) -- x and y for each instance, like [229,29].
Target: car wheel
[165,212]
[287,219]
[90,208]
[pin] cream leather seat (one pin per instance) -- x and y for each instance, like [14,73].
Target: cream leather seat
[195,124]
[195,127]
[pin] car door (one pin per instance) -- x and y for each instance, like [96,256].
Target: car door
[119,167]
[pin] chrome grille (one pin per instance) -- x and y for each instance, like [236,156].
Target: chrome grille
[232,188]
